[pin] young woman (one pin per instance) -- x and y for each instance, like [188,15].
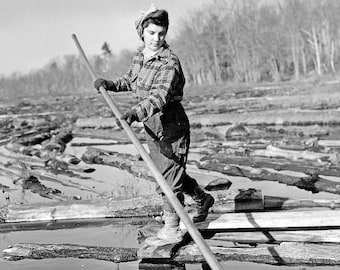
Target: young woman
[156,78]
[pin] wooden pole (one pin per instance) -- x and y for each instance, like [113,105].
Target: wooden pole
[196,236]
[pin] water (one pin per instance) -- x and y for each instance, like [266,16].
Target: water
[108,181]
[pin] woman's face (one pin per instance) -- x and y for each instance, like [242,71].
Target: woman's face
[154,37]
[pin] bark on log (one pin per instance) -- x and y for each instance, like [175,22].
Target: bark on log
[311,183]
[277,164]
[49,251]
[125,207]
[31,182]
[26,174]
[283,254]
[273,237]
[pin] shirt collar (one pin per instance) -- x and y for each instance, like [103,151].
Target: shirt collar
[163,52]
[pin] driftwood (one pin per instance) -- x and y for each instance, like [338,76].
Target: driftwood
[30,176]
[228,201]
[277,164]
[312,183]
[262,237]
[83,144]
[49,251]
[137,167]
[94,213]
[142,206]
[272,221]
[126,162]
[44,154]
[283,254]
[329,143]
[261,118]
[105,134]
[32,183]
[272,151]
[54,165]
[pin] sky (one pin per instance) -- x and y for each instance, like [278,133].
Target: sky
[33,32]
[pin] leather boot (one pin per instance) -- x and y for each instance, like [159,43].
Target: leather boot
[204,202]
[170,232]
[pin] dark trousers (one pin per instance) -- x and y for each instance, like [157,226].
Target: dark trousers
[170,156]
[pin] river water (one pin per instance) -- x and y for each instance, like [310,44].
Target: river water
[108,181]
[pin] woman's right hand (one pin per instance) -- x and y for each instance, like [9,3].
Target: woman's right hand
[108,85]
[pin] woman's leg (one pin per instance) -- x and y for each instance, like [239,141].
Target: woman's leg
[165,160]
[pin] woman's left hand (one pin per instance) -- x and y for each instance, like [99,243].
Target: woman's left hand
[130,116]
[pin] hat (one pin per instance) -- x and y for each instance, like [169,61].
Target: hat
[142,17]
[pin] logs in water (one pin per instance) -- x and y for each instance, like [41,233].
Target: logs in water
[283,254]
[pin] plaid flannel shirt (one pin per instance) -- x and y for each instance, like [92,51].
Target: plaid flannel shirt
[155,82]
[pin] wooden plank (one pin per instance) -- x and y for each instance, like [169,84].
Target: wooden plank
[279,220]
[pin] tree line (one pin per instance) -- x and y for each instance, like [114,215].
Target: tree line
[246,41]
[254,41]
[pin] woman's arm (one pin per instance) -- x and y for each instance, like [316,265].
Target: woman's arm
[167,86]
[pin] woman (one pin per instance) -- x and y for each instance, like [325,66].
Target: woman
[157,80]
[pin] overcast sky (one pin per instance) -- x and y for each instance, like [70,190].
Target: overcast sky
[32,32]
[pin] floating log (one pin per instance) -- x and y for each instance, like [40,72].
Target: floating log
[97,123]
[41,153]
[126,162]
[83,144]
[271,203]
[312,183]
[329,143]
[50,251]
[284,254]
[134,165]
[272,221]
[272,151]
[114,208]
[278,117]
[263,237]
[57,165]
[31,182]
[277,164]
[105,134]
[25,173]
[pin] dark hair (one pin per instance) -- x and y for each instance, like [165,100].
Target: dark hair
[159,17]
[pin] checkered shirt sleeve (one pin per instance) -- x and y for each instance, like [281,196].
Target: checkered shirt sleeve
[165,88]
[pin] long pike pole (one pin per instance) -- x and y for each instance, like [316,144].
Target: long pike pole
[196,236]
